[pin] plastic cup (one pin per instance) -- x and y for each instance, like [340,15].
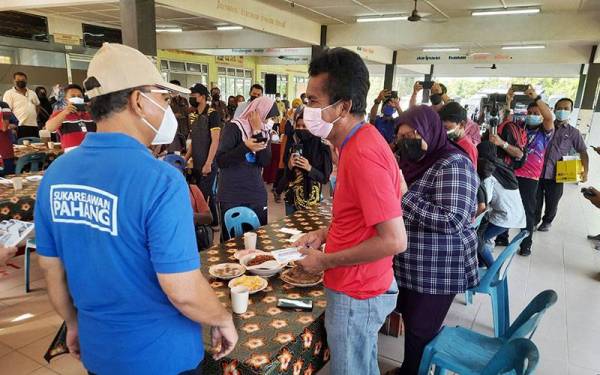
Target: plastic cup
[239,299]
[50,145]
[250,240]
[44,135]
[188,144]
[26,142]
[17,183]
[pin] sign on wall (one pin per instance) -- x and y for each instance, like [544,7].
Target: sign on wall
[230,60]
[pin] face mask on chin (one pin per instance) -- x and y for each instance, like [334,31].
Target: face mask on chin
[410,149]
[168,126]
[313,120]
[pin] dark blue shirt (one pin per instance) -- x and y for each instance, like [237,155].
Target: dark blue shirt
[386,127]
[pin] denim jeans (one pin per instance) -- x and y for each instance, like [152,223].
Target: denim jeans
[486,250]
[352,330]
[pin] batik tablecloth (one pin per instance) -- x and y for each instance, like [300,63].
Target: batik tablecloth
[18,204]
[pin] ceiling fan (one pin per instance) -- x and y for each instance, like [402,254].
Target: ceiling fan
[415,16]
[493,67]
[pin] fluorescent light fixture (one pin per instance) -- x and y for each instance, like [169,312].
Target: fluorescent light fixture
[501,11]
[382,19]
[441,49]
[530,46]
[229,28]
[22,317]
[169,30]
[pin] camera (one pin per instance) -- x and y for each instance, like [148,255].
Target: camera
[259,138]
[297,149]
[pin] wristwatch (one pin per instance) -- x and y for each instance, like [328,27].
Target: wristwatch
[505,145]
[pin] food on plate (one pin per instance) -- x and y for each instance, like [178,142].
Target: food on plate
[259,259]
[242,253]
[253,283]
[298,276]
[226,270]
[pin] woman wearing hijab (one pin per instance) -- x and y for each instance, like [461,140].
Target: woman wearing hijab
[307,166]
[244,150]
[505,207]
[45,106]
[441,258]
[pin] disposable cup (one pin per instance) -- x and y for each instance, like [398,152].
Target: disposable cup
[250,240]
[239,299]
[50,145]
[17,183]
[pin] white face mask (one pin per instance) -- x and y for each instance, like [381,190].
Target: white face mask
[313,119]
[168,126]
[270,124]
[76,100]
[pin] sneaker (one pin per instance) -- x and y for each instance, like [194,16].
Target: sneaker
[525,252]
[544,227]
[594,238]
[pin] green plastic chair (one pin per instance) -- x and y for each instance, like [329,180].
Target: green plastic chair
[467,352]
[35,161]
[494,281]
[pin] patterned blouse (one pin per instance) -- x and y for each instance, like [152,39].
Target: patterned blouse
[441,257]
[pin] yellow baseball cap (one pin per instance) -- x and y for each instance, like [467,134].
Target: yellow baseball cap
[117,67]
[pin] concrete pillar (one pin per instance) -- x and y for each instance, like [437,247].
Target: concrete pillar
[589,112]
[316,50]
[426,92]
[581,85]
[390,73]
[138,25]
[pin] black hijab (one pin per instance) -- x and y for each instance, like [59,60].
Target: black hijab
[488,164]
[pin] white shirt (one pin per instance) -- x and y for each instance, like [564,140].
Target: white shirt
[506,206]
[23,106]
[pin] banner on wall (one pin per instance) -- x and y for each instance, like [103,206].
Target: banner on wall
[230,60]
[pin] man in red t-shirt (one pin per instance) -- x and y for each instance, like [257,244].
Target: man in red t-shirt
[454,117]
[73,122]
[367,229]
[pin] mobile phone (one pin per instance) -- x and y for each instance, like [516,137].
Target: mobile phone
[394,95]
[301,303]
[259,138]
[587,192]
[426,84]
[80,107]
[519,87]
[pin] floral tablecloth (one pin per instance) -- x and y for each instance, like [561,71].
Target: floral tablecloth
[52,154]
[272,340]
[18,204]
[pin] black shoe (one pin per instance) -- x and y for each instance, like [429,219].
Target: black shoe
[594,238]
[502,241]
[525,252]
[544,227]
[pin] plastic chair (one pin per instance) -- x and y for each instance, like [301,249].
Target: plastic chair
[493,281]
[30,246]
[35,161]
[236,217]
[175,160]
[30,139]
[467,352]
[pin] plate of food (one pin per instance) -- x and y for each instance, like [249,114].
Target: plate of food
[242,253]
[226,271]
[298,277]
[262,264]
[253,283]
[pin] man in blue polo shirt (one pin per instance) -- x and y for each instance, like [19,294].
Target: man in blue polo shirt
[115,234]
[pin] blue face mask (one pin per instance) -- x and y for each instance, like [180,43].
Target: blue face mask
[388,110]
[562,114]
[533,120]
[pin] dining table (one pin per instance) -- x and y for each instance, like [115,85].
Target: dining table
[19,204]
[51,153]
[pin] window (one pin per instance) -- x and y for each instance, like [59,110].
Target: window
[234,81]
[185,72]
[24,26]
[94,36]
[282,82]
[300,83]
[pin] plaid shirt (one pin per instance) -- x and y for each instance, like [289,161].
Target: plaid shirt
[441,257]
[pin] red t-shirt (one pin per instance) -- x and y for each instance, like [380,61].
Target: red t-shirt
[74,128]
[467,146]
[367,193]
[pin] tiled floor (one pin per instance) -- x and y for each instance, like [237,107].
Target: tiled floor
[568,337]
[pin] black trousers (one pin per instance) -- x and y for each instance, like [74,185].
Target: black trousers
[260,209]
[548,194]
[423,315]
[205,184]
[27,131]
[528,189]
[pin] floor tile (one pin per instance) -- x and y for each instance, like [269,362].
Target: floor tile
[43,371]
[37,349]
[67,365]
[16,363]
[26,332]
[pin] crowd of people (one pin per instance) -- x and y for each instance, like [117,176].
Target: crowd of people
[408,189]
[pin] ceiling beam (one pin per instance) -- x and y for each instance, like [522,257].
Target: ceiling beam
[252,14]
[39,4]
[211,39]
[546,27]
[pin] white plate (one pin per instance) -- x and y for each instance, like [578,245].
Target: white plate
[34,178]
[261,272]
[6,182]
[264,284]
[242,253]
[238,267]
[39,144]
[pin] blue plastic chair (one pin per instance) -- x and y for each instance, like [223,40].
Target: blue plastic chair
[493,281]
[175,160]
[236,217]
[30,246]
[35,161]
[467,352]
[30,139]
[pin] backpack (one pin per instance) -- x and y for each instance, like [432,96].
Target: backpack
[520,135]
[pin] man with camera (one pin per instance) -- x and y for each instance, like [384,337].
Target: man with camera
[386,123]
